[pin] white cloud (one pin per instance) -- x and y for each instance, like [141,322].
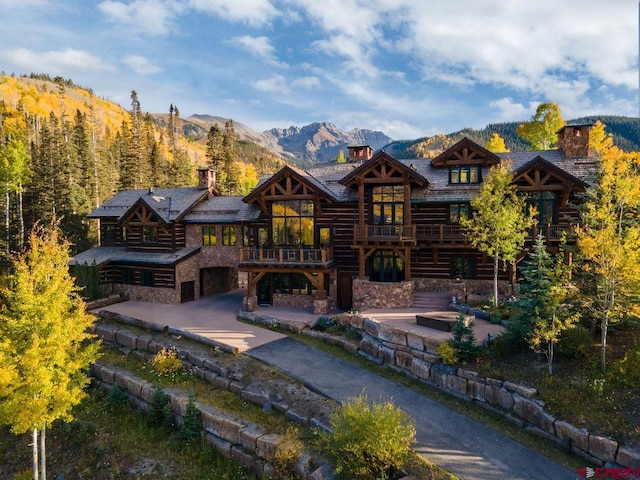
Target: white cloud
[510,110]
[306,82]
[274,84]
[252,12]
[141,65]
[153,17]
[54,61]
[259,47]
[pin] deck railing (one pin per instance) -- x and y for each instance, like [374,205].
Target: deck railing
[286,255]
[384,233]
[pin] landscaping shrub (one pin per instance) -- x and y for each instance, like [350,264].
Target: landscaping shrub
[157,413]
[116,397]
[166,363]
[447,353]
[287,454]
[368,441]
[575,342]
[329,325]
[191,430]
[463,341]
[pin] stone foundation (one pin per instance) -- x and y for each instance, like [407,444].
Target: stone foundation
[367,294]
[470,287]
[292,300]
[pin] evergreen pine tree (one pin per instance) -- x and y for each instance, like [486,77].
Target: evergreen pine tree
[190,430]
[156,416]
[463,340]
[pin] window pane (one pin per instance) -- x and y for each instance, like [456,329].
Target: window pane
[473,175]
[455,175]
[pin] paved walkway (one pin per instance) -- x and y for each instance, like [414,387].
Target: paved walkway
[466,448]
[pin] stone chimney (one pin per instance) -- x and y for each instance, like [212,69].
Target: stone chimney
[360,153]
[206,178]
[573,140]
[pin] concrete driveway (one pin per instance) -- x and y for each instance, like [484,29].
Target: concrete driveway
[213,317]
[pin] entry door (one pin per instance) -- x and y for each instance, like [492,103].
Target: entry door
[187,291]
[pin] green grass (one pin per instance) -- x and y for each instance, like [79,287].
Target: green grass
[205,393]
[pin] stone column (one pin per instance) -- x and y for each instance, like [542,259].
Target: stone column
[250,303]
[320,307]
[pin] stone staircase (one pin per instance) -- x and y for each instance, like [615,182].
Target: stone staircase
[431,301]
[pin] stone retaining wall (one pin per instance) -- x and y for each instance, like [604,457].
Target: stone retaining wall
[245,443]
[242,442]
[415,356]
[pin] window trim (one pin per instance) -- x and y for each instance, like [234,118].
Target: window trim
[468,169]
[209,232]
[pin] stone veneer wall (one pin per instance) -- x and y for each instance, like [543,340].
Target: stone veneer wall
[367,294]
[414,355]
[477,287]
[147,294]
[291,300]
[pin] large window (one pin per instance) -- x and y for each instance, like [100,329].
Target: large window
[292,223]
[109,233]
[149,234]
[325,236]
[386,266]
[388,205]
[229,235]
[458,211]
[465,174]
[209,235]
[545,204]
[292,283]
[146,278]
[462,267]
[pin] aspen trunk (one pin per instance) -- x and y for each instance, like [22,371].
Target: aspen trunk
[34,441]
[43,452]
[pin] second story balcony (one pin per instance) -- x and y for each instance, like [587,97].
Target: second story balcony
[286,256]
[384,233]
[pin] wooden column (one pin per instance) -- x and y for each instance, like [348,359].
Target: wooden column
[407,263]
[250,283]
[407,202]
[361,262]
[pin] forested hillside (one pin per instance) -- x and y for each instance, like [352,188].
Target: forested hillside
[64,151]
[623,129]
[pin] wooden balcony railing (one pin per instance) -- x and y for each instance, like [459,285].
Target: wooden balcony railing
[384,233]
[286,256]
[549,232]
[440,233]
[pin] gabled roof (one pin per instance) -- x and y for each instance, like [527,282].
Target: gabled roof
[376,168]
[158,200]
[297,174]
[466,152]
[540,163]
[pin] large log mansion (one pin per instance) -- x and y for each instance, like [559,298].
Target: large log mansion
[369,232]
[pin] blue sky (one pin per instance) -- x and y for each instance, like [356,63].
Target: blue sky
[410,68]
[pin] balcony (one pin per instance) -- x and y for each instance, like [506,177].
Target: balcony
[441,233]
[286,256]
[551,233]
[384,233]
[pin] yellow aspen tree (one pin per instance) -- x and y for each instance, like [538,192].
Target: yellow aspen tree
[496,144]
[609,237]
[45,350]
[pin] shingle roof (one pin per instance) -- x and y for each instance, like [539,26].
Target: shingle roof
[168,203]
[101,255]
[222,210]
[439,188]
